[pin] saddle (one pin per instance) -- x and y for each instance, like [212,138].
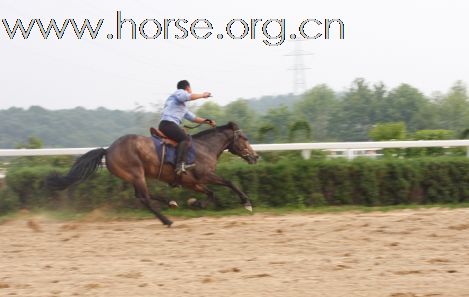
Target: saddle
[158,133]
[166,147]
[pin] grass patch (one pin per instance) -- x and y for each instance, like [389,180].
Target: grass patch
[108,215]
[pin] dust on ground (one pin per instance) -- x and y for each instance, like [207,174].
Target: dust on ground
[408,253]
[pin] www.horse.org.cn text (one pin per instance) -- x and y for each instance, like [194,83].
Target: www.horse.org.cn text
[271,32]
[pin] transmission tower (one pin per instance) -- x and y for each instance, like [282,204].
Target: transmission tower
[299,75]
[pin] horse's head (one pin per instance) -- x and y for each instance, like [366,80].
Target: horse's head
[240,145]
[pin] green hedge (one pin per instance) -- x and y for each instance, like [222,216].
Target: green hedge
[294,183]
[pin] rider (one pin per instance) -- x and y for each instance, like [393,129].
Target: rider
[174,111]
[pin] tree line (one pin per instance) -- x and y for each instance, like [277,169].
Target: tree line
[360,113]
[321,114]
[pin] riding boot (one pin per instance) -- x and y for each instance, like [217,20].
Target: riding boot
[181,154]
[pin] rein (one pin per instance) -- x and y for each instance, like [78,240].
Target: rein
[207,121]
[245,152]
[193,127]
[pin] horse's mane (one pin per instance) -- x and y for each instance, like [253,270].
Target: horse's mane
[204,133]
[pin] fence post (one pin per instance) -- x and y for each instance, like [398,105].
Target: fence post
[349,154]
[306,154]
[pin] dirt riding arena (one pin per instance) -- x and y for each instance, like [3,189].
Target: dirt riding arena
[400,254]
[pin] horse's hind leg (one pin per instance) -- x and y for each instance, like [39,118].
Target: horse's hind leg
[141,191]
[210,195]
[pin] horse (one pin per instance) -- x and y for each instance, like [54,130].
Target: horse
[133,158]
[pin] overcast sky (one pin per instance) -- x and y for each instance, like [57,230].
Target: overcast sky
[423,43]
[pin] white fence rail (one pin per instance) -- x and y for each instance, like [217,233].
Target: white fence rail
[350,149]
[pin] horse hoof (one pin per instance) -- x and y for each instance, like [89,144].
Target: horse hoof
[248,207]
[173,204]
[168,224]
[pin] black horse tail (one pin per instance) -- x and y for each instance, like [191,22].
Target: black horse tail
[83,168]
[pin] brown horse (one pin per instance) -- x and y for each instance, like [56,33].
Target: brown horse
[133,158]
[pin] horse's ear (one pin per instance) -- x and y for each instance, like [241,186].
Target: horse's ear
[233,125]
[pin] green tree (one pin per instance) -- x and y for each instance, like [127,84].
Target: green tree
[267,133]
[354,117]
[33,143]
[404,103]
[279,119]
[239,112]
[453,109]
[388,131]
[212,111]
[317,107]
[433,135]
[300,131]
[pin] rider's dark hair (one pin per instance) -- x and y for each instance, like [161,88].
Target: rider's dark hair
[183,84]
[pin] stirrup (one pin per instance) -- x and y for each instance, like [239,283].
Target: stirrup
[182,168]
[189,166]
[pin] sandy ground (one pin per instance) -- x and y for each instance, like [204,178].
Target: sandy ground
[400,254]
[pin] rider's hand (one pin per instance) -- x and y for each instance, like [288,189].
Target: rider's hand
[211,123]
[206,94]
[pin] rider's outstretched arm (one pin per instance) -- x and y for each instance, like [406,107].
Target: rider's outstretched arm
[200,96]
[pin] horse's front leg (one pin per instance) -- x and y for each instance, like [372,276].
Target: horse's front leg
[217,180]
[141,192]
[165,200]
[160,199]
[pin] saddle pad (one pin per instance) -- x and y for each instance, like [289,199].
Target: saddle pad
[170,156]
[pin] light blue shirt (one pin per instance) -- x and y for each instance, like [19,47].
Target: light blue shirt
[175,108]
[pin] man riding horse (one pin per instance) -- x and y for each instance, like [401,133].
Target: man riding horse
[134,158]
[175,109]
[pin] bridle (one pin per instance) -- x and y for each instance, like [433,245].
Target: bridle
[232,146]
